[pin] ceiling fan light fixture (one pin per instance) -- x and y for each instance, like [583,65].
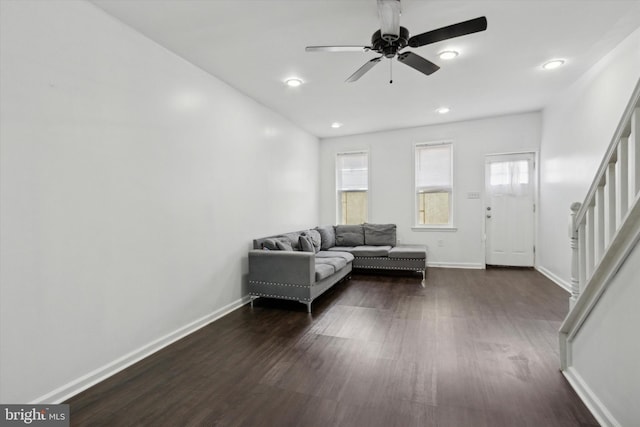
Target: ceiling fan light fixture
[553,64]
[293,82]
[336,125]
[448,54]
[443,110]
[389,12]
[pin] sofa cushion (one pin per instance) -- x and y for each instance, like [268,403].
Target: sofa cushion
[379,251]
[336,262]
[349,235]
[418,252]
[333,254]
[379,234]
[323,271]
[316,239]
[327,236]
[306,244]
[341,249]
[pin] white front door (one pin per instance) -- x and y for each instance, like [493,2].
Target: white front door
[509,209]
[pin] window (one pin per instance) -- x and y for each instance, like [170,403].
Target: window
[434,184]
[352,184]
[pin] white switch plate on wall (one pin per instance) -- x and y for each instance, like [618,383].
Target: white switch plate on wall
[473,195]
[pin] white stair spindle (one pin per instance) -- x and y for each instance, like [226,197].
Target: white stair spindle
[590,241]
[634,156]
[575,256]
[599,238]
[622,181]
[582,255]
[610,204]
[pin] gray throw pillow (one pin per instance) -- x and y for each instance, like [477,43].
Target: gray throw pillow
[315,238]
[327,236]
[349,235]
[306,244]
[283,244]
[379,234]
[270,244]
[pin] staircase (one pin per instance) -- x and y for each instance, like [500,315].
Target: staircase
[604,229]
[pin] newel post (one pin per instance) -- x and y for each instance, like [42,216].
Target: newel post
[573,239]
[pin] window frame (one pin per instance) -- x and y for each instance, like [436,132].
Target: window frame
[450,226]
[338,192]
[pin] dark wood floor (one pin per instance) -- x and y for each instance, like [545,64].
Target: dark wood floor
[473,348]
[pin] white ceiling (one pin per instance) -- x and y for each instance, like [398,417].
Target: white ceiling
[253,45]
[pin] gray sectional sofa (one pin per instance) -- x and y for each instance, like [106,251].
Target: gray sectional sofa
[301,265]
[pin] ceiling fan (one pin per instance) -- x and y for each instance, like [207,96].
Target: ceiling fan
[391,38]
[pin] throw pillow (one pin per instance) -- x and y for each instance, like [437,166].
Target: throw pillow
[315,238]
[306,244]
[327,236]
[269,244]
[349,235]
[284,244]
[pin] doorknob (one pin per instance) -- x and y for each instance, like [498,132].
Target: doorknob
[488,215]
[488,208]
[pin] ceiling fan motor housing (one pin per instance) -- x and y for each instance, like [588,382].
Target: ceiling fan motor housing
[389,48]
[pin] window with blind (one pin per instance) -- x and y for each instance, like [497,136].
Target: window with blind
[352,185]
[434,184]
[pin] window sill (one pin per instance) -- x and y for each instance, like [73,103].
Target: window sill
[445,228]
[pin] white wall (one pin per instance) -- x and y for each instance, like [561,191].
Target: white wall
[577,129]
[132,184]
[392,179]
[606,350]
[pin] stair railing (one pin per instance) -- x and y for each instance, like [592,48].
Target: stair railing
[606,226]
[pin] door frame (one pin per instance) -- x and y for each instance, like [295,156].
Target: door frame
[536,201]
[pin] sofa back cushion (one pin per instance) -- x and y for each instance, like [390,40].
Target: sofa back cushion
[379,234]
[327,236]
[349,235]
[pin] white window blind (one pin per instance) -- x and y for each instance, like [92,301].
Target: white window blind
[433,168]
[352,172]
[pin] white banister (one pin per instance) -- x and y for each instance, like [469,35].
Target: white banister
[596,222]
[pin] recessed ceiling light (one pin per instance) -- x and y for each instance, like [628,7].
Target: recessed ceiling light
[293,82]
[448,54]
[336,125]
[443,110]
[555,63]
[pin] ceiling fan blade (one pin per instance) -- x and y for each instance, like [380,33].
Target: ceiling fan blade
[362,70]
[456,30]
[418,62]
[337,48]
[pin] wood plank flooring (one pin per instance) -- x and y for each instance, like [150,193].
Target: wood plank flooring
[473,348]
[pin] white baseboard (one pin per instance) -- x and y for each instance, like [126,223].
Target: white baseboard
[591,401]
[470,265]
[555,279]
[92,378]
